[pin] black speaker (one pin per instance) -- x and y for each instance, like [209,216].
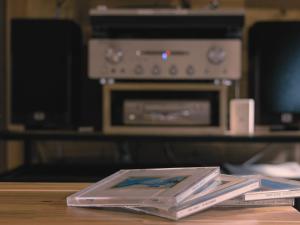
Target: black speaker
[46,65]
[274,68]
[91,100]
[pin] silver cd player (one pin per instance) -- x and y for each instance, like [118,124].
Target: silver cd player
[165,44]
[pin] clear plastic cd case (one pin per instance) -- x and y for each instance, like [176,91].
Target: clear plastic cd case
[275,188]
[240,202]
[160,188]
[230,187]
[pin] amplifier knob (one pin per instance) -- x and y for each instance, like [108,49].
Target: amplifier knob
[156,70]
[190,70]
[216,55]
[138,70]
[114,55]
[173,70]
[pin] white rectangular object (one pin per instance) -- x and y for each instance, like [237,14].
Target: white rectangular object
[242,116]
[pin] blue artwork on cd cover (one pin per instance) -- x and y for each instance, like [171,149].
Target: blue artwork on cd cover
[275,185]
[153,182]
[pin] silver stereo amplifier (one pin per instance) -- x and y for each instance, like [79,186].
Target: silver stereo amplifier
[165,44]
[165,112]
[165,59]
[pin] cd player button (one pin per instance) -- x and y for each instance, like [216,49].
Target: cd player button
[173,70]
[190,70]
[156,70]
[138,70]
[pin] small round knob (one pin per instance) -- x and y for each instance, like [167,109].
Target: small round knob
[190,70]
[114,55]
[173,70]
[156,70]
[216,55]
[138,70]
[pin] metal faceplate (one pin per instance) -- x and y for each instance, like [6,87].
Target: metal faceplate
[158,112]
[167,59]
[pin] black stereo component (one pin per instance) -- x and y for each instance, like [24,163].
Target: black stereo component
[46,65]
[166,23]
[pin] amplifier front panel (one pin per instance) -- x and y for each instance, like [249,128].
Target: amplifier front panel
[165,59]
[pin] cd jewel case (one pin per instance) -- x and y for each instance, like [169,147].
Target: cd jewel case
[240,202]
[160,188]
[230,187]
[275,188]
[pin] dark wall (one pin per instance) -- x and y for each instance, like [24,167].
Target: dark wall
[2,81]
[2,66]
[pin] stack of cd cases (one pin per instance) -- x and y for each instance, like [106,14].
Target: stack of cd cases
[173,193]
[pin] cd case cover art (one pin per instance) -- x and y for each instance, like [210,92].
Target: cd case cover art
[275,188]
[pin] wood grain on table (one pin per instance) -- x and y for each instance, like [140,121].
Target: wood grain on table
[45,203]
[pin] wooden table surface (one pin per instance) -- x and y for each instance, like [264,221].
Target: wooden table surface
[45,203]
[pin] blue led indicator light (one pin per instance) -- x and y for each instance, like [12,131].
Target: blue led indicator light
[164,56]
